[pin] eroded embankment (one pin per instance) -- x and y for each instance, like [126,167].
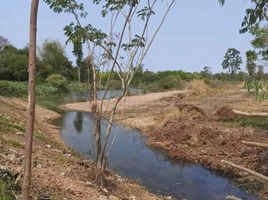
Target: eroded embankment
[57,171]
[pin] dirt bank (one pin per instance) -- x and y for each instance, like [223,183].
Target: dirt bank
[197,126]
[127,102]
[57,171]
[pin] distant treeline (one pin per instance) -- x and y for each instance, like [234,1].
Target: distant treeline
[54,67]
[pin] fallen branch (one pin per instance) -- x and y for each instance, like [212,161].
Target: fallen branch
[255,144]
[232,198]
[55,127]
[256,174]
[250,114]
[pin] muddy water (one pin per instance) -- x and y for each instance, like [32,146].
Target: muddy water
[131,158]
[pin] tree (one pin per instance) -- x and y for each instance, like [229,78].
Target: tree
[251,65]
[13,63]
[3,42]
[254,16]
[54,60]
[260,42]
[232,61]
[206,72]
[31,98]
[260,72]
[117,51]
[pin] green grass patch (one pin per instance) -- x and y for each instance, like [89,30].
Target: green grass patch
[16,144]
[61,159]
[3,140]
[5,194]
[255,122]
[43,138]
[13,143]
[2,151]
[260,123]
[20,89]
[51,102]
[7,126]
[76,86]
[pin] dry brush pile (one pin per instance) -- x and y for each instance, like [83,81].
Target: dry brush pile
[199,138]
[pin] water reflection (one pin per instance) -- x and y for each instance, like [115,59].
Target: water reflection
[78,122]
[130,157]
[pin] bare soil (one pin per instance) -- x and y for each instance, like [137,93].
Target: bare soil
[127,102]
[198,125]
[57,171]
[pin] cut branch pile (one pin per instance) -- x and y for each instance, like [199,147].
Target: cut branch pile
[200,140]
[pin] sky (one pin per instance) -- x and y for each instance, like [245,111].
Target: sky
[196,33]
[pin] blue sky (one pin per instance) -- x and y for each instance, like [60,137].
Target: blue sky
[195,34]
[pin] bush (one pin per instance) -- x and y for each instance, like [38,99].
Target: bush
[76,86]
[58,81]
[171,82]
[46,90]
[13,89]
[115,85]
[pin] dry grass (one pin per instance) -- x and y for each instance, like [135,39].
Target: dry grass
[199,88]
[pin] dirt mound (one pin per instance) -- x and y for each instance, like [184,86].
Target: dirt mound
[199,88]
[190,108]
[224,113]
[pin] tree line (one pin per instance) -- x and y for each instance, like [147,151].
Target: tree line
[51,59]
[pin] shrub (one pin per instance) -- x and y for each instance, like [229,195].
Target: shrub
[58,81]
[76,86]
[115,85]
[170,82]
[46,90]
[13,89]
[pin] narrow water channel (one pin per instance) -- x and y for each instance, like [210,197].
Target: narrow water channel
[81,96]
[131,158]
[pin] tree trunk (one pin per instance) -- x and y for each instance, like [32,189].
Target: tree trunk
[79,74]
[232,198]
[95,109]
[256,174]
[31,98]
[255,144]
[88,75]
[250,114]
